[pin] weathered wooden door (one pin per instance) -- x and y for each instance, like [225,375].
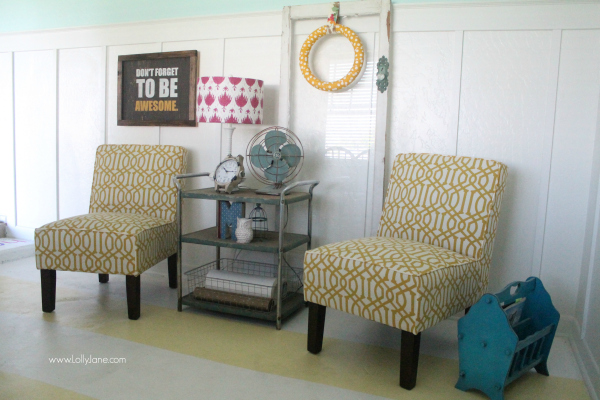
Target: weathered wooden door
[343,132]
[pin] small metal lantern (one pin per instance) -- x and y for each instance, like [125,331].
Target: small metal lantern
[259,222]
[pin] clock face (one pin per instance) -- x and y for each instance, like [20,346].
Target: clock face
[226,171]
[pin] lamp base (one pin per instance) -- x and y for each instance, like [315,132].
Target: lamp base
[229,128]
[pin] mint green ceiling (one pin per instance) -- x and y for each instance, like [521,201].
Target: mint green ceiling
[28,15]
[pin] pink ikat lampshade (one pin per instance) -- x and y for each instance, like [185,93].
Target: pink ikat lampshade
[230,100]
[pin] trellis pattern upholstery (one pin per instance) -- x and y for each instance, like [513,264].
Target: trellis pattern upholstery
[432,254]
[137,179]
[105,243]
[131,225]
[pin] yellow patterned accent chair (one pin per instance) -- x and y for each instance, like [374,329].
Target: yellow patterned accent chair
[430,259]
[131,225]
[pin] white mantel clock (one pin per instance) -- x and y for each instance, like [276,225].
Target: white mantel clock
[229,174]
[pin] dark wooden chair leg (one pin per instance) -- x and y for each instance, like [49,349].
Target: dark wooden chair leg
[103,278]
[409,359]
[133,296]
[48,289]
[173,271]
[316,326]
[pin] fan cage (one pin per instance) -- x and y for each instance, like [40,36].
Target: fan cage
[259,138]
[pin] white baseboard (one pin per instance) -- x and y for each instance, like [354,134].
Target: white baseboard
[568,327]
[19,232]
[587,366]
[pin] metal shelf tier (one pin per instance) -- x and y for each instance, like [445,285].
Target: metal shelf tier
[270,244]
[244,196]
[290,305]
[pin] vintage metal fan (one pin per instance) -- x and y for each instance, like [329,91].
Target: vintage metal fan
[275,157]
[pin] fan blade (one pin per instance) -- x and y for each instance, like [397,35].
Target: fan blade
[280,164]
[260,158]
[274,139]
[277,172]
[291,154]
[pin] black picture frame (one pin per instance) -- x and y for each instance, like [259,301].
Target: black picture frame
[158,89]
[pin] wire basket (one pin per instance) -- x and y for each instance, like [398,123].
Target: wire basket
[244,284]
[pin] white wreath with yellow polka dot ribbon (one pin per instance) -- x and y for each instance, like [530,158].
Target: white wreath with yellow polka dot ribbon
[359,59]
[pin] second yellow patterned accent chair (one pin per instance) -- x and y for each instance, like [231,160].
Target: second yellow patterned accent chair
[430,259]
[131,225]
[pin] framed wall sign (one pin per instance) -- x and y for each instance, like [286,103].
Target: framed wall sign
[158,89]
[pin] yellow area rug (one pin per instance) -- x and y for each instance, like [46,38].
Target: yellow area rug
[14,386]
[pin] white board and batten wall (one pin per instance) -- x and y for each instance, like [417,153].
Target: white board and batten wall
[515,82]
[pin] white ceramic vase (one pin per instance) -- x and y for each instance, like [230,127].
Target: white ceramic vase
[243,232]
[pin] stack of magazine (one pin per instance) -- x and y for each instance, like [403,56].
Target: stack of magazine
[514,311]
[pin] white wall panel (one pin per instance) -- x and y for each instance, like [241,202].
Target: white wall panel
[572,156]
[203,144]
[504,95]
[7,170]
[125,134]
[81,119]
[424,101]
[35,137]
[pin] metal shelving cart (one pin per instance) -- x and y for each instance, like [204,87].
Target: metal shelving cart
[279,242]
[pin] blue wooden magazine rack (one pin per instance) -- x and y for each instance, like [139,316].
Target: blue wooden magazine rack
[504,335]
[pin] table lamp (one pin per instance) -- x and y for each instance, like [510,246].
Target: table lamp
[230,101]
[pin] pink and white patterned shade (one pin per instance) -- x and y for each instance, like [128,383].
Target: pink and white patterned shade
[230,100]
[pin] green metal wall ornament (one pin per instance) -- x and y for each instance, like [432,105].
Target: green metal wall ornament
[383,71]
